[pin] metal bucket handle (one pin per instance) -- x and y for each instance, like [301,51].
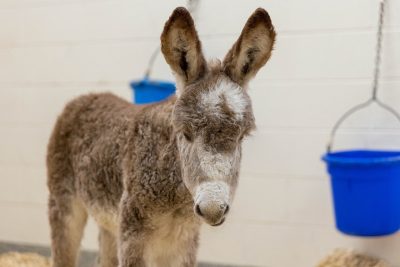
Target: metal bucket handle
[374,98]
[355,109]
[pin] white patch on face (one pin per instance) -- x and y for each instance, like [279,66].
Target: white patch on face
[216,165]
[233,94]
[217,192]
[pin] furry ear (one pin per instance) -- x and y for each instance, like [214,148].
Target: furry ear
[253,48]
[181,47]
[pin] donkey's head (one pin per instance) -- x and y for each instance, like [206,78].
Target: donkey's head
[213,111]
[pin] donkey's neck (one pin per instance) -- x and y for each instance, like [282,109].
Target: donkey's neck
[155,157]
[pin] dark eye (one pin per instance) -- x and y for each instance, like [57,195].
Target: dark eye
[188,136]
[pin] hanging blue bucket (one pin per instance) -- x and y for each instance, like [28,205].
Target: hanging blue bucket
[150,91]
[366,183]
[366,191]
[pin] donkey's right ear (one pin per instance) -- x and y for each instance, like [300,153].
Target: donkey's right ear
[181,47]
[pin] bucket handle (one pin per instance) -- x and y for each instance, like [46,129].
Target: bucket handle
[354,110]
[374,98]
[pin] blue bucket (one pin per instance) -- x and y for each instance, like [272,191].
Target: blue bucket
[366,191]
[150,91]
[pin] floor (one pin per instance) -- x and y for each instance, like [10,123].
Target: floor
[87,258]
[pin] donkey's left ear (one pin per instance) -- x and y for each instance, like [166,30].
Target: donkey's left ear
[253,48]
[181,46]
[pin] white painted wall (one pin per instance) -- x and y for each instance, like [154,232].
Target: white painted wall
[53,50]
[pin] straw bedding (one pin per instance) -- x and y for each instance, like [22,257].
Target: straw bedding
[338,258]
[349,258]
[15,259]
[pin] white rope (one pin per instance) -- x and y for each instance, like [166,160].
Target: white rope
[375,83]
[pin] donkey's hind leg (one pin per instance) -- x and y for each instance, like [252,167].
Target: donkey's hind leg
[108,249]
[67,218]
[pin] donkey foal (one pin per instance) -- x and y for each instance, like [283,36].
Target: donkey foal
[149,175]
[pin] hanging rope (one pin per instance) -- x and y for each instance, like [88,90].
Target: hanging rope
[378,49]
[192,6]
[151,62]
[375,83]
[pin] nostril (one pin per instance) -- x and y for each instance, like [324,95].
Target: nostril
[226,210]
[198,211]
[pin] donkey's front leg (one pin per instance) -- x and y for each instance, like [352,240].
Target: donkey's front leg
[190,260]
[132,235]
[131,251]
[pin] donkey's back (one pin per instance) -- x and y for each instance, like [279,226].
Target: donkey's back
[89,134]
